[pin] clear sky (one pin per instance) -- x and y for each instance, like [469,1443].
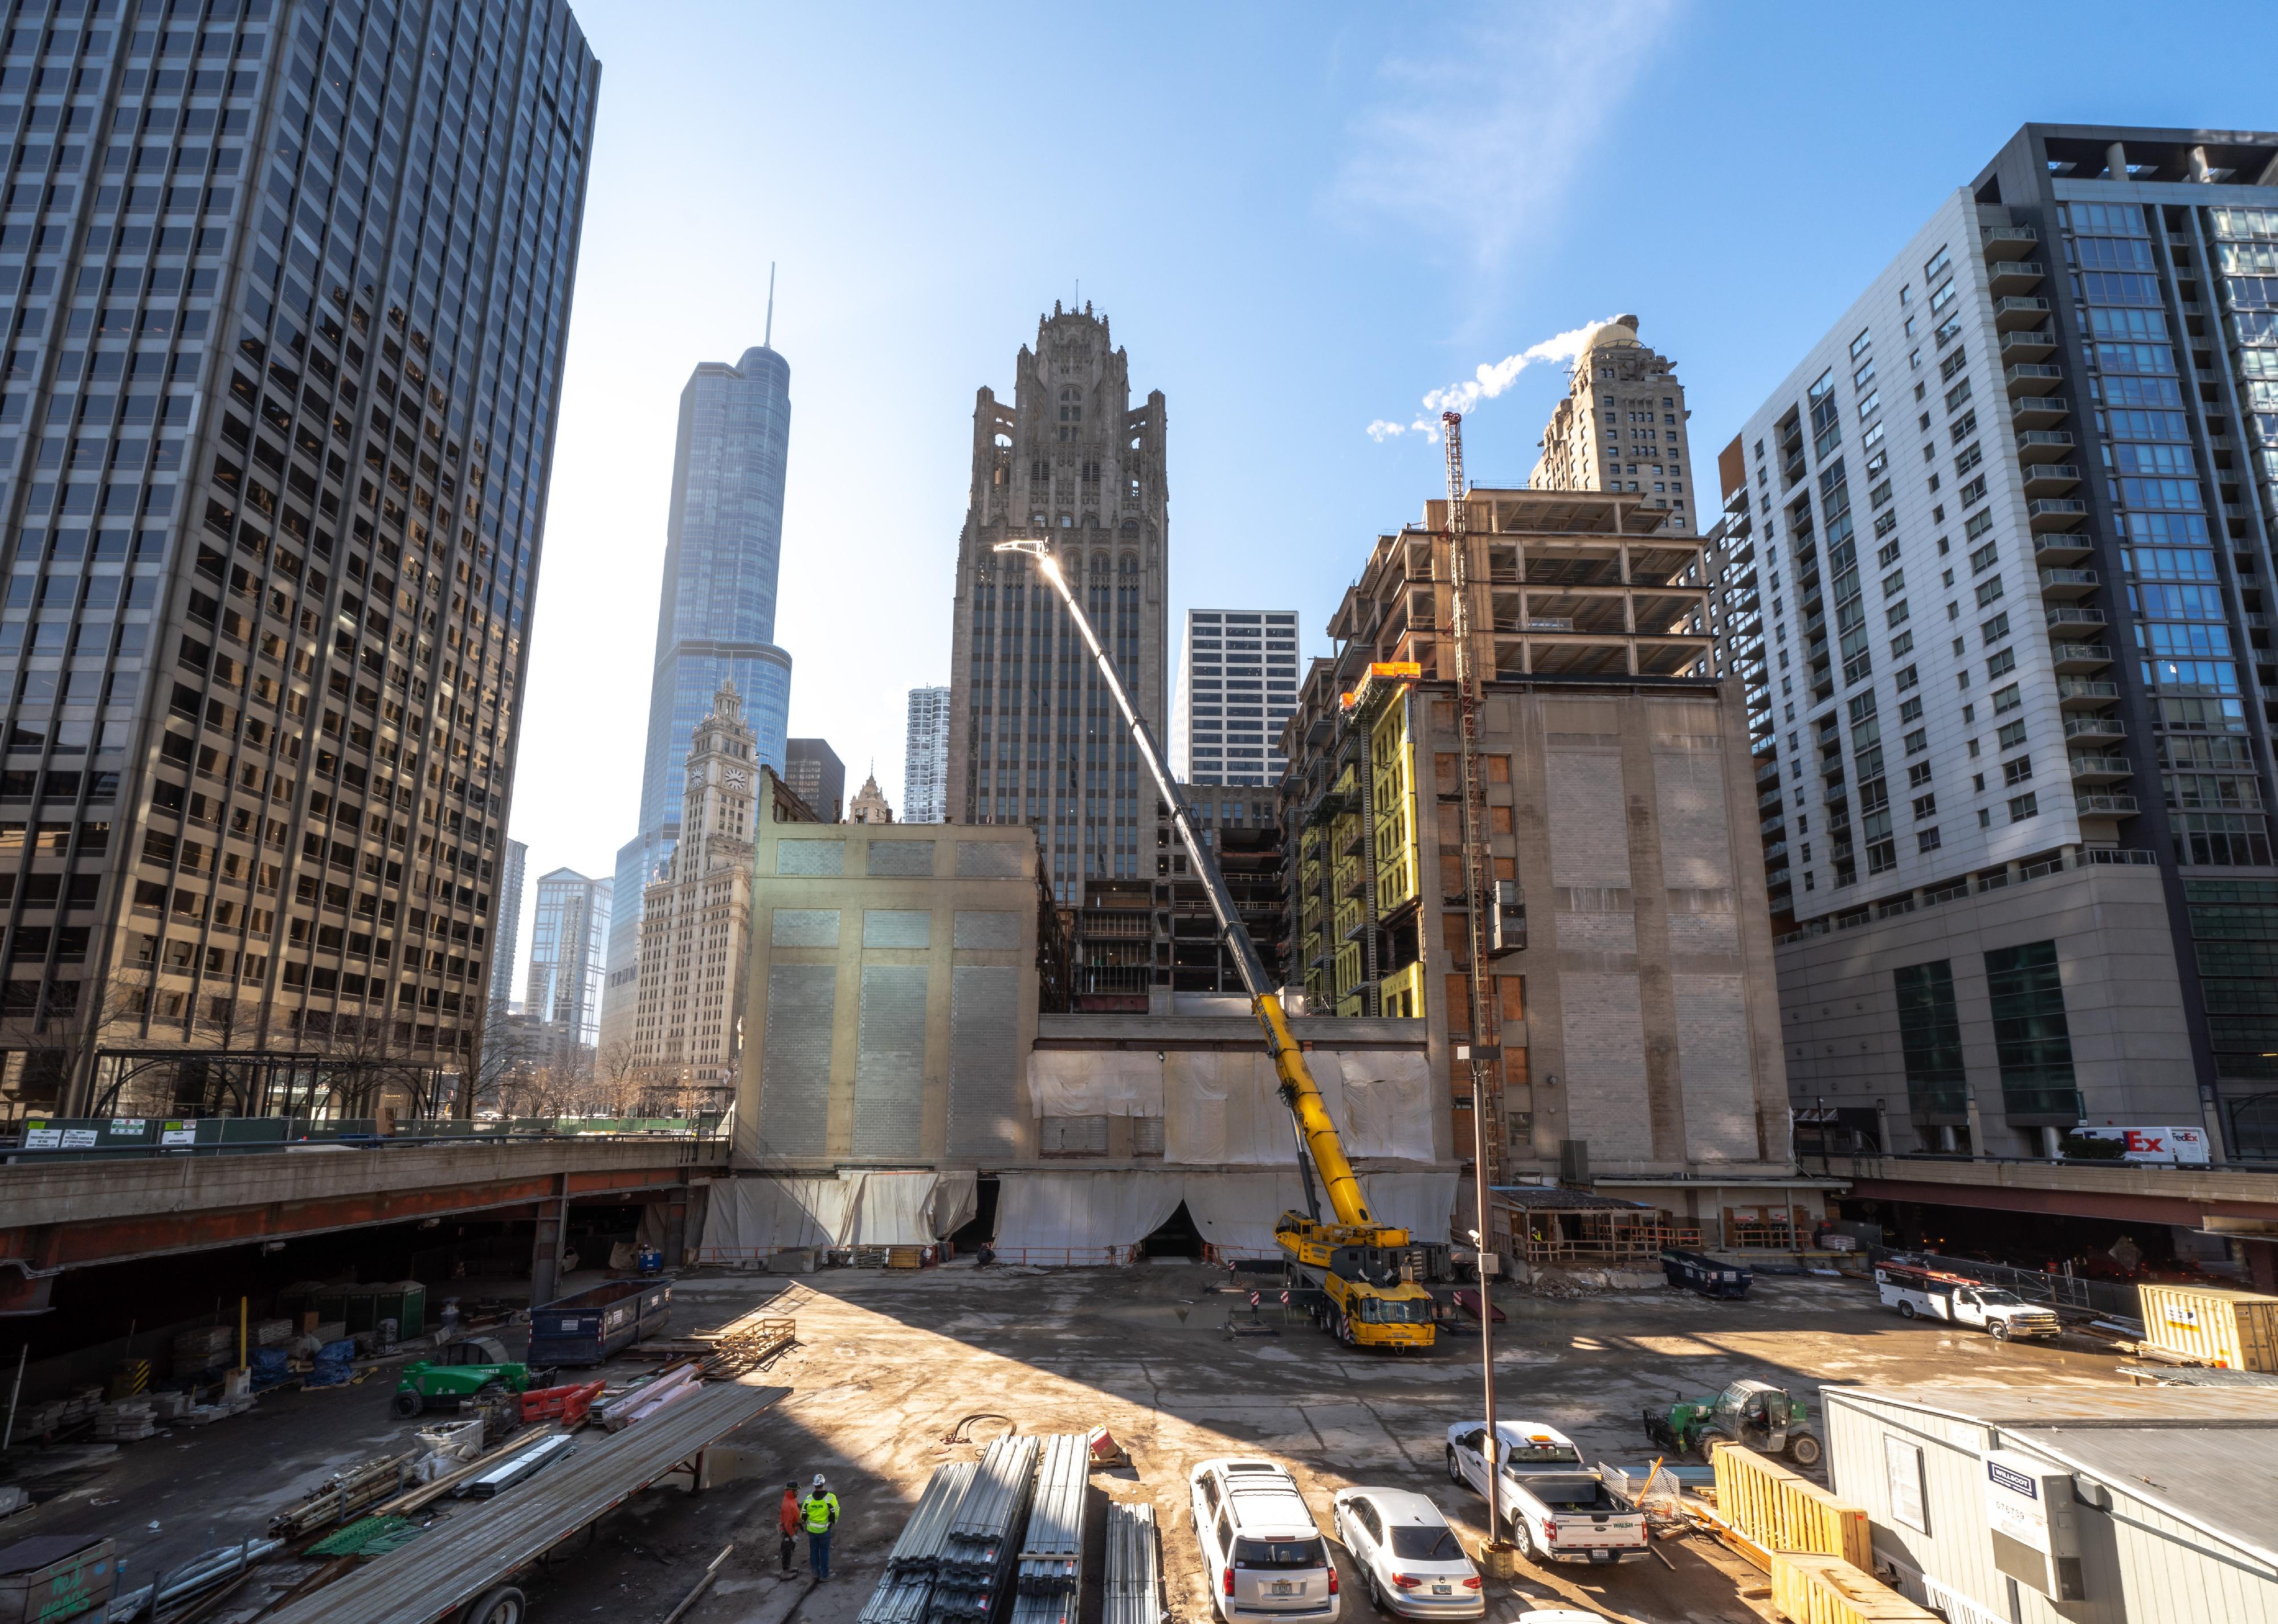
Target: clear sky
[1299,219]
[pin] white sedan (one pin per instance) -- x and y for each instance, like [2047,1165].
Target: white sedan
[1411,1562]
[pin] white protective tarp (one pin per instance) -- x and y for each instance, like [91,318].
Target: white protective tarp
[1379,1099]
[1419,1202]
[956,1199]
[1095,1082]
[1223,1108]
[748,1218]
[1081,1217]
[1236,1212]
[892,1209]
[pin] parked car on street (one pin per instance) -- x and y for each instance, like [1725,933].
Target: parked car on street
[1264,1552]
[1410,1562]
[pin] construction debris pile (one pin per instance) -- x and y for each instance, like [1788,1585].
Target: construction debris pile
[1015,1518]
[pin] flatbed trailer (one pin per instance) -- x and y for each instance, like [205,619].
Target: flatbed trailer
[464,1570]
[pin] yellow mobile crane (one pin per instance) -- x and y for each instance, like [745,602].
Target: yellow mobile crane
[1351,1262]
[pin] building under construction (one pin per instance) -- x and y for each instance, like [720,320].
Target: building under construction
[1634,1039]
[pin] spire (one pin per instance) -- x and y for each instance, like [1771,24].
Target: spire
[768,342]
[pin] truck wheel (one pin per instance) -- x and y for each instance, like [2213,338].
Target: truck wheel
[499,1605]
[1905,1311]
[1455,1472]
[1803,1448]
[1998,1330]
[408,1405]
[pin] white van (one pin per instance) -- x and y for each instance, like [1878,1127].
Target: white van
[1264,1552]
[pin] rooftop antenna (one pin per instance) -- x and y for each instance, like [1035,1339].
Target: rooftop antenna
[768,342]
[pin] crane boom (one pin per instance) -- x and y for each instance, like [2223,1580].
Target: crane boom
[1317,1131]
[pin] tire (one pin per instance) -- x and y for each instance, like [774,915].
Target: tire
[1455,1472]
[1905,1311]
[1998,1330]
[502,1603]
[1527,1548]
[1375,1596]
[408,1405]
[1804,1449]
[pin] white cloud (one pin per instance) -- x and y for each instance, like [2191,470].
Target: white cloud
[1487,381]
[1476,142]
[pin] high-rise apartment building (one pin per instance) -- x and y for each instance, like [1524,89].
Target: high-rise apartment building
[1622,427]
[568,934]
[288,299]
[696,925]
[1237,685]
[507,943]
[716,619]
[1034,737]
[1996,568]
[813,771]
[925,758]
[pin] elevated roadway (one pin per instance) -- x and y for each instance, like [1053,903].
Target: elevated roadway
[59,1216]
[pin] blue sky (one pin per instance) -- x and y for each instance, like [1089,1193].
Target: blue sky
[1298,220]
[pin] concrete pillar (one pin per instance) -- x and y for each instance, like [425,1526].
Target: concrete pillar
[2116,161]
[546,1252]
[2198,164]
[676,1233]
[2052,1143]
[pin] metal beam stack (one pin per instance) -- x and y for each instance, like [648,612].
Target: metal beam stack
[1132,1592]
[906,1590]
[1051,1579]
[982,1541]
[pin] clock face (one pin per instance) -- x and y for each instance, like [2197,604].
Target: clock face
[734,777]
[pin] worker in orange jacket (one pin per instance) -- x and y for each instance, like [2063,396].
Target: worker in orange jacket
[789,1522]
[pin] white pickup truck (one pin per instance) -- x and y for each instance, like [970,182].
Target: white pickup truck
[1930,1294]
[1556,1509]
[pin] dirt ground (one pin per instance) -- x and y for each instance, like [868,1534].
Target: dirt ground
[886,1364]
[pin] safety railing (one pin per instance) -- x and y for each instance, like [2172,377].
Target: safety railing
[37,1138]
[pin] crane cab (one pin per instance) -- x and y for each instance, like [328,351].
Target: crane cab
[1348,1277]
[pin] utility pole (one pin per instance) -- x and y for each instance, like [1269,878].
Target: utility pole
[1485,1047]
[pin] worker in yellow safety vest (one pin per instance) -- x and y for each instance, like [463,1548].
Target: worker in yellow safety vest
[820,1515]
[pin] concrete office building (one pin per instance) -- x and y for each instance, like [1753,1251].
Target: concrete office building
[1034,737]
[275,478]
[568,936]
[715,621]
[2015,797]
[813,772]
[1237,685]
[925,758]
[696,925]
[1622,427]
[1638,1033]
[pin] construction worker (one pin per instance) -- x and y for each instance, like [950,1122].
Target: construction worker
[820,1513]
[788,1519]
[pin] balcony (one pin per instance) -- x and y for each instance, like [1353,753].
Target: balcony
[2050,478]
[2072,616]
[2013,276]
[2028,346]
[2105,806]
[2031,378]
[2055,512]
[2094,730]
[2038,411]
[2000,242]
[2100,769]
[2085,693]
[2066,548]
[2073,659]
[2013,314]
[2069,583]
[2044,446]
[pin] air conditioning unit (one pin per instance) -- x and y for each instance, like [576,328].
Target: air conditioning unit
[1506,918]
[2035,1523]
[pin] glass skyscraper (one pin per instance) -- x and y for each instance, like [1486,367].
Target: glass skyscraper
[723,539]
[286,284]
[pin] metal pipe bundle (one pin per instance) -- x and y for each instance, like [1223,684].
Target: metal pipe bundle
[898,1601]
[1052,1549]
[1132,1589]
[977,1556]
[919,1549]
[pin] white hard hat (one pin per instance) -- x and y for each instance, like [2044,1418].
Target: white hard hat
[818,1480]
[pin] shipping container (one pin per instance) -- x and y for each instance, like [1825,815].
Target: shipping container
[51,1577]
[589,1327]
[2234,1330]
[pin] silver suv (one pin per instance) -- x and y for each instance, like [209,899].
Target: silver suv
[1264,1551]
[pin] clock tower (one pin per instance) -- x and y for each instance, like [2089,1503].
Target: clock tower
[695,933]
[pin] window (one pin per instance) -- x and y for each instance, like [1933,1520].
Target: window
[1918,775]
[1862,343]
[1916,741]
[1957,395]
[2016,772]
[1907,677]
[1911,709]
[1894,583]
[2000,664]
[2024,806]
[1930,1039]
[1994,630]
[1902,1471]
[2012,735]
[1936,266]
[1887,556]
[2004,700]
[1902,644]
[1989,591]
[2030,1036]
[1925,806]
